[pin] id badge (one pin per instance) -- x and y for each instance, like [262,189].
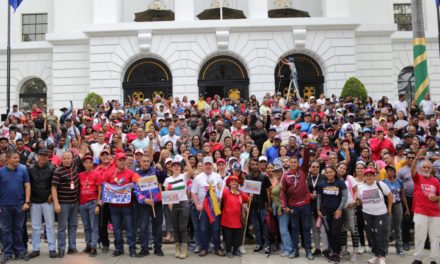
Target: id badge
[72,186]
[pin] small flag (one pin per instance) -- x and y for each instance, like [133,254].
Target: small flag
[15,3]
[438,3]
[210,205]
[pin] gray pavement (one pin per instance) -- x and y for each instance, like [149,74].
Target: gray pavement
[249,258]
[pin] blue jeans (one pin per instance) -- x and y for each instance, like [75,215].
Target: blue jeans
[12,221]
[301,213]
[195,221]
[67,219]
[38,211]
[261,230]
[145,214]
[123,216]
[286,237]
[208,230]
[91,223]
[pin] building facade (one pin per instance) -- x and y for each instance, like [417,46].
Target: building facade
[63,49]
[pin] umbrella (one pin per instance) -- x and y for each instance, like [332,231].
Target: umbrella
[287,12]
[154,15]
[228,13]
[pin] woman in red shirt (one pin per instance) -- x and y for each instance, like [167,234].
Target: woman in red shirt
[232,201]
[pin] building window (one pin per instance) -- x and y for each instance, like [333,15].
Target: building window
[33,91]
[405,83]
[402,17]
[34,27]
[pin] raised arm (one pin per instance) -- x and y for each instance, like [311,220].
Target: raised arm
[420,154]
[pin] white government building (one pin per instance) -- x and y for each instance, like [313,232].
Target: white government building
[64,49]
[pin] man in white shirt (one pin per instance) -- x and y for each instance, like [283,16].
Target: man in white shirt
[428,106]
[199,188]
[401,105]
[170,137]
[15,112]
[98,146]
[321,100]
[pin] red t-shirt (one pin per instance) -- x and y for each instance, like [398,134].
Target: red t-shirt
[89,181]
[216,146]
[423,187]
[231,208]
[113,176]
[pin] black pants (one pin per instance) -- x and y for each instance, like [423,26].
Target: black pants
[360,225]
[232,238]
[333,228]
[25,234]
[407,223]
[104,220]
[377,232]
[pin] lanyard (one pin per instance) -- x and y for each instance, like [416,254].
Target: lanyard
[314,182]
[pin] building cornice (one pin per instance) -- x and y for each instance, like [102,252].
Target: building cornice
[210,26]
[27,47]
[407,36]
[67,38]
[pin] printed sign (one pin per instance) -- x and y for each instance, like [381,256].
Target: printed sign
[148,183]
[171,197]
[115,194]
[253,187]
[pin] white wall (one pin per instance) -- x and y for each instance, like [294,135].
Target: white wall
[72,16]
[372,11]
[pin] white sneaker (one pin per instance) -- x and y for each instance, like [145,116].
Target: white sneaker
[373,260]
[361,250]
[382,260]
[242,250]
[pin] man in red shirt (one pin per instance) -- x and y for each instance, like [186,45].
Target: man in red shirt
[105,165]
[122,213]
[378,143]
[212,141]
[426,208]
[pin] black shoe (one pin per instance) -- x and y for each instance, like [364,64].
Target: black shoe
[143,253]
[220,253]
[93,252]
[61,254]
[6,259]
[337,258]
[34,254]
[117,253]
[158,252]
[317,252]
[53,254]
[406,246]
[309,255]
[71,251]
[86,250]
[132,253]
[433,262]
[326,254]
[417,262]
[22,256]
[267,250]
[105,249]
[258,249]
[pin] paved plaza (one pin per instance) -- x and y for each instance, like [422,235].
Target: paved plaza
[248,258]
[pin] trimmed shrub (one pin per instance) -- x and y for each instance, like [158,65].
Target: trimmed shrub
[355,89]
[93,99]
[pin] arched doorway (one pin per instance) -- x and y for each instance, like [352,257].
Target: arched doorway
[405,83]
[225,76]
[33,91]
[147,78]
[310,77]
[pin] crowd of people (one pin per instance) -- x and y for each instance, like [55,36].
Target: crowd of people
[326,167]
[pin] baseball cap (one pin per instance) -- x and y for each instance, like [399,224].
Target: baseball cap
[297,126]
[207,160]
[262,158]
[277,116]
[277,137]
[277,168]
[181,117]
[121,156]
[43,152]
[350,115]
[304,134]
[221,161]
[139,151]
[236,166]
[176,160]
[388,167]
[84,159]
[379,129]
[104,151]
[369,170]
[272,128]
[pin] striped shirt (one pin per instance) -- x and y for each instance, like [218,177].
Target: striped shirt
[67,183]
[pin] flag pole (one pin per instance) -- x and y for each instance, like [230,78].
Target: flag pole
[8,63]
[437,5]
[221,9]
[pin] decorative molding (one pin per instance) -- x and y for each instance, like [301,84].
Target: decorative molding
[222,35]
[145,38]
[219,3]
[299,37]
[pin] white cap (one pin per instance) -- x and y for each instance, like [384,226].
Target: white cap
[181,117]
[168,160]
[208,160]
[262,158]
[139,151]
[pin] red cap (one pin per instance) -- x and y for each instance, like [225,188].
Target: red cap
[87,157]
[236,147]
[369,170]
[221,160]
[304,134]
[232,178]
[120,156]
[297,125]
[379,129]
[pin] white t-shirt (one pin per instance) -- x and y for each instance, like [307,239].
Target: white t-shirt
[428,107]
[373,201]
[350,182]
[97,148]
[177,184]
[401,106]
[201,183]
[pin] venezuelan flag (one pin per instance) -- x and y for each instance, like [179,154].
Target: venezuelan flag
[210,205]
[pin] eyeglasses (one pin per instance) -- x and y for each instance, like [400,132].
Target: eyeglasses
[409,157]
